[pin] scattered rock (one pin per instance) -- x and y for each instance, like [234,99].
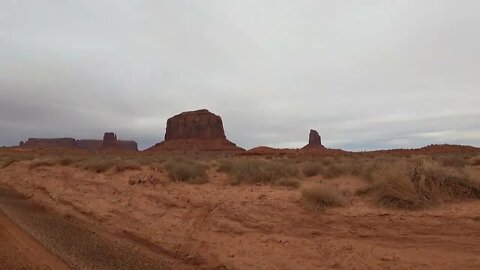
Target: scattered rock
[142,180]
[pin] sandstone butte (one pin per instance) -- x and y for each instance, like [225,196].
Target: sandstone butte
[314,141]
[198,130]
[109,141]
[314,147]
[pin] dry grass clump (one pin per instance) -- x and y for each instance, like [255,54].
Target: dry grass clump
[147,160]
[322,196]
[422,183]
[225,166]
[332,168]
[259,170]
[65,161]
[42,163]
[476,162]
[312,169]
[127,166]
[99,165]
[287,182]
[51,161]
[157,167]
[189,172]
[453,161]
[10,159]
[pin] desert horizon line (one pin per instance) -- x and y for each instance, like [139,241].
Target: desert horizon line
[221,135]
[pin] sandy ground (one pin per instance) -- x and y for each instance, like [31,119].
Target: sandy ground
[219,226]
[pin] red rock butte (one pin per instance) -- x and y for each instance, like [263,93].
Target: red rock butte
[109,142]
[196,131]
[314,141]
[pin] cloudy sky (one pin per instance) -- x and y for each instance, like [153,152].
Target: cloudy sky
[365,74]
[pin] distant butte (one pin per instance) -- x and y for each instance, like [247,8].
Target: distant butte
[198,130]
[109,142]
[314,141]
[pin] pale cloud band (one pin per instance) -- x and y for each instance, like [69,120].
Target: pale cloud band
[366,74]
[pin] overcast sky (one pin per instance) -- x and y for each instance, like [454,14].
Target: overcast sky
[365,74]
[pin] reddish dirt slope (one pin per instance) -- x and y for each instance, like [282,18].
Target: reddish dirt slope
[217,225]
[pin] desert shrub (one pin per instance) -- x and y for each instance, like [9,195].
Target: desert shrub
[332,170]
[42,163]
[157,167]
[327,161]
[126,166]
[322,196]
[453,161]
[9,160]
[287,182]
[65,161]
[100,165]
[261,171]
[189,172]
[312,169]
[422,183]
[143,160]
[225,166]
[393,187]
[476,162]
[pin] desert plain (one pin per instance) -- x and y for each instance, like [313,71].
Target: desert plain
[197,201]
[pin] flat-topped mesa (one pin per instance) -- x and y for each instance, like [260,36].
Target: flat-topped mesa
[314,141]
[109,141]
[196,131]
[49,142]
[200,124]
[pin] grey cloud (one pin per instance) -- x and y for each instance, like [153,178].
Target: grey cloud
[367,75]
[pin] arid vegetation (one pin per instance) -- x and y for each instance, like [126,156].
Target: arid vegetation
[259,171]
[423,182]
[408,182]
[341,203]
[322,196]
[187,171]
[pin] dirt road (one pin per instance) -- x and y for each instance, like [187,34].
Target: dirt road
[32,237]
[18,250]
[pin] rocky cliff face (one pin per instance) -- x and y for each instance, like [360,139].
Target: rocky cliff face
[200,124]
[314,141]
[90,144]
[109,139]
[195,131]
